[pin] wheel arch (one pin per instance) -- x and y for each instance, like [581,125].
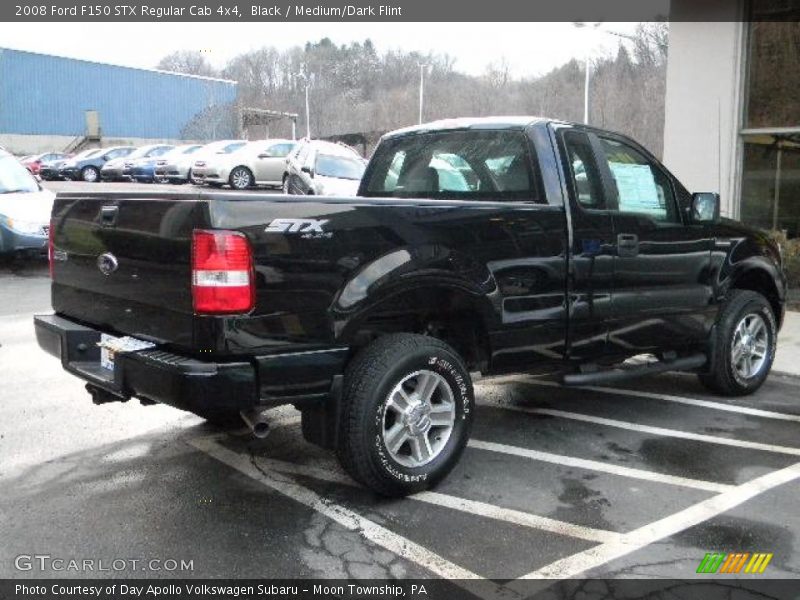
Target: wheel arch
[452,313]
[760,278]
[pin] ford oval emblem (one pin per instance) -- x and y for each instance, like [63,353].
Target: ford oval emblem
[107,263]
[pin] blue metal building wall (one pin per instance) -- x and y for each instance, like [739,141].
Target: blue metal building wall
[48,95]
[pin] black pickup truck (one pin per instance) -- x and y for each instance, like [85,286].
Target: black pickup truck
[483,245]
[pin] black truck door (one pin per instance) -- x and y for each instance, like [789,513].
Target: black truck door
[661,290]
[590,279]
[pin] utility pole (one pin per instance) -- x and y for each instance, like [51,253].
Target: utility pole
[588,64]
[308,114]
[421,88]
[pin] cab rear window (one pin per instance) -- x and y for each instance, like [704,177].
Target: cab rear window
[469,165]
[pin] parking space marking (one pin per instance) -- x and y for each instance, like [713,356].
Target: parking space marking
[676,433]
[744,410]
[377,534]
[330,472]
[577,564]
[593,465]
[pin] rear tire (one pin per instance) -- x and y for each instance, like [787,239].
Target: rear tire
[406,414]
[744,341]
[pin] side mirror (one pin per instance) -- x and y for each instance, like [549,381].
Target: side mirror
[705,207]
[308,170]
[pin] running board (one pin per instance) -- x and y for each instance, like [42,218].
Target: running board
[686,363]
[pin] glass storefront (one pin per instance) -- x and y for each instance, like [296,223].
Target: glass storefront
[770,189]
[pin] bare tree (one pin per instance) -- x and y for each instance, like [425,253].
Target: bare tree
[186,61]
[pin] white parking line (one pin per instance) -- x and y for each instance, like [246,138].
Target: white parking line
[593,465]
[676,433]
[330,472]
[375,533]
[577,564]
[744,410]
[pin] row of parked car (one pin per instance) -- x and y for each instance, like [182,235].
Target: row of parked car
[296,167]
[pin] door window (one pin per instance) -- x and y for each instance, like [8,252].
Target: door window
[639,185]
[279,150]
[586,181]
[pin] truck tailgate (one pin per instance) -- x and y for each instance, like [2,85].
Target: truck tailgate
[124,264]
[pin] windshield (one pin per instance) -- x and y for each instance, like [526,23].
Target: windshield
[491,165]
[340,167]
[14,177]
[86,154]
[232,147]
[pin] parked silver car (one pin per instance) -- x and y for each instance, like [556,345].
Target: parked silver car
[323,169]
[197,172]
[256,163]
[174,165]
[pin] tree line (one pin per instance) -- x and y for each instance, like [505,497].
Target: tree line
[355,88]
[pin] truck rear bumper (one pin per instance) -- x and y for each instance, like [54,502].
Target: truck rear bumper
[187,383]
[153,374]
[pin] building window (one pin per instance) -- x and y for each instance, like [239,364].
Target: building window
[773,75]
[770,187]
[771,183]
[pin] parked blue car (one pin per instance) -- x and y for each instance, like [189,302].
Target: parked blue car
[142,167]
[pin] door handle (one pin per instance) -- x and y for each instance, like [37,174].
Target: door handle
[627,244]
[108,216]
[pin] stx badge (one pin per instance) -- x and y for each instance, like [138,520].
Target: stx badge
[305,227]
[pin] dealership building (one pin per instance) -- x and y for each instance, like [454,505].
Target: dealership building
[733,107]
[56,103]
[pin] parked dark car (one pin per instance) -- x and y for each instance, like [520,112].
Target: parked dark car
[88,167]
[489,245]
[34,163]
[140,165]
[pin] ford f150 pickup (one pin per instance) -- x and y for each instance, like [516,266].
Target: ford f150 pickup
[489,245]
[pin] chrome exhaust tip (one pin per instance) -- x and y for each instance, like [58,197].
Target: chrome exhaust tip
[256,421]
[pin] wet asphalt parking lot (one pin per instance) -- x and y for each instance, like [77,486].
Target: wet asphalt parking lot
[638,480]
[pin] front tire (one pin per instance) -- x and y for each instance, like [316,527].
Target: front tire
[744,344]
[90,174]
[406,414]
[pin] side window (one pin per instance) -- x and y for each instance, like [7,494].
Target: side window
[641,186]
[279,150]
[302,155]
[586,180]
[393,173]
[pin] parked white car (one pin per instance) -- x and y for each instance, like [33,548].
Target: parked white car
[25,208]
[174,165]
[206,154]
[323,169]
[260,163]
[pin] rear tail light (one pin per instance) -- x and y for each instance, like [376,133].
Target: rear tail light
[50,245]
[222,272]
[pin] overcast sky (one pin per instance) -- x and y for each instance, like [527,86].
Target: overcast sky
[529,48]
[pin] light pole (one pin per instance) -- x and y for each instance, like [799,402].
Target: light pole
[308,114]
[421,88]
[304,76]
[588,65]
